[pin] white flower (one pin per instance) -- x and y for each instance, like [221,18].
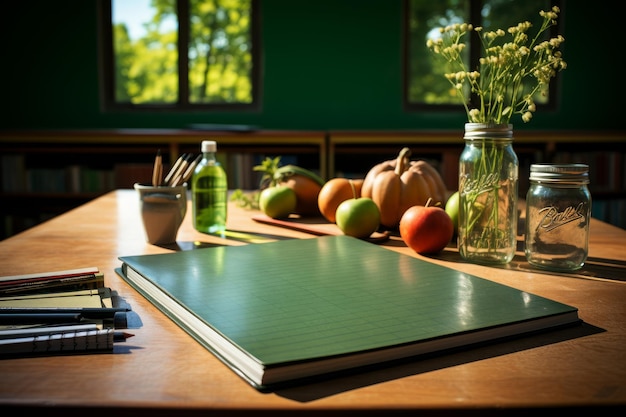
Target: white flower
[498,83]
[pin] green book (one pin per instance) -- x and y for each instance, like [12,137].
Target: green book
[281,311]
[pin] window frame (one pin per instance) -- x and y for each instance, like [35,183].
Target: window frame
[183,104]
[474,53]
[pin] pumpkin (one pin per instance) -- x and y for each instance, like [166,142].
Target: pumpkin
[400,183]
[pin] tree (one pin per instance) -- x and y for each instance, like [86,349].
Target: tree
[219,54]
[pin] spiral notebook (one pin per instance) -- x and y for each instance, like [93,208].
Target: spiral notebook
[281,312]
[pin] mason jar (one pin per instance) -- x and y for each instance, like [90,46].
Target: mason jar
[488,186]
[558,210]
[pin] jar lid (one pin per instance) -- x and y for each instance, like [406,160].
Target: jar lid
[488,131]
[561,173]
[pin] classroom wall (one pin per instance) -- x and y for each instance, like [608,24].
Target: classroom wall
[327,64]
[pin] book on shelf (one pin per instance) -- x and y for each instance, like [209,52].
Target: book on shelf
[127,174]
[18,177]
[13,172]
[287,311]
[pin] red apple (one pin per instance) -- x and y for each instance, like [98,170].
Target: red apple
[426,229]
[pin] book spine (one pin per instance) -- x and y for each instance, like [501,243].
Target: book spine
[88,281]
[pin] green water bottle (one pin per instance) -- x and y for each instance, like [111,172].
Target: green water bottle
[209,190]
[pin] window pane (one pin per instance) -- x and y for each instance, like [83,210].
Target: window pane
[506,13]
[425,82]
[145,53]
[220,51]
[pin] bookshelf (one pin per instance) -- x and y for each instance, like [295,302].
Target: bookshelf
[45,173]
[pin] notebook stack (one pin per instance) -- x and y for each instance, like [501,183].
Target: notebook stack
[60,312]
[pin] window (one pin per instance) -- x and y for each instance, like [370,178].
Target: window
[180,54]
[425,86]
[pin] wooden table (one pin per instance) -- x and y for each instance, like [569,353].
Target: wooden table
[163,371]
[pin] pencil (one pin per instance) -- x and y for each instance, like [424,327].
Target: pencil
[174,169]
[181,170]
[157,172]
[121,336]
[189,172]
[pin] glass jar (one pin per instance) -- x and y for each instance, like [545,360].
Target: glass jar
[488,184]
[558,209]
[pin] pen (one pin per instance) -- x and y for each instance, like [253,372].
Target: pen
[34,318]
[111,316]
[86,312]
[119,319]
[174,169]
[157,172]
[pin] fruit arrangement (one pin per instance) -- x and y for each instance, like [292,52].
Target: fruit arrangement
[286,190]
[404,195]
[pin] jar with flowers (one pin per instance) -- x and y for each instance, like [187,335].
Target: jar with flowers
[513,69]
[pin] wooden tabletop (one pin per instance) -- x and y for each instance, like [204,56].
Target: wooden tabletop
[163,371]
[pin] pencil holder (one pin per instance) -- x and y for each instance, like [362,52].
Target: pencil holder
[162,209]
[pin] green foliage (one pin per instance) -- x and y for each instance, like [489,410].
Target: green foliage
[249,200]
[219,55]
[424,81]
[220,66]
[123,62]
[268,167]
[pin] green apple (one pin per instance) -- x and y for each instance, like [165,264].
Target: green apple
[358,217]
[452,208]
[278,202]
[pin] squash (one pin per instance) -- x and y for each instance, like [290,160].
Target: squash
[400,183]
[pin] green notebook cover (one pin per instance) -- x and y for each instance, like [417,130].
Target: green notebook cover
[280,311]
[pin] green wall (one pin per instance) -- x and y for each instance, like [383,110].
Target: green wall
[327,64]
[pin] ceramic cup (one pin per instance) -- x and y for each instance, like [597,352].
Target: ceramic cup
[162,210]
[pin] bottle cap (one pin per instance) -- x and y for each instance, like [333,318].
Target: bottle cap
[209,146]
